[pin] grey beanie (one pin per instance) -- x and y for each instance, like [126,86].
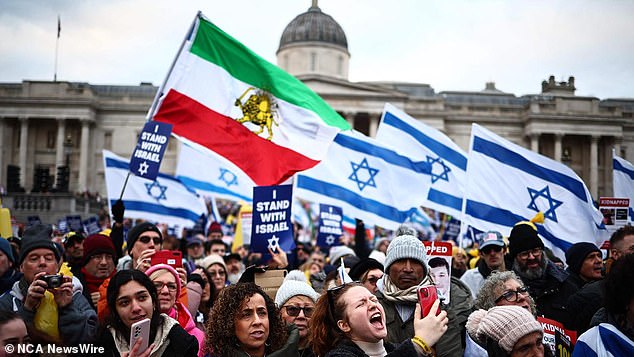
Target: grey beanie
[405,245]
[294,284]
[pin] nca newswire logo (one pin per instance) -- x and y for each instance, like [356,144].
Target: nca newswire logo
[28,348]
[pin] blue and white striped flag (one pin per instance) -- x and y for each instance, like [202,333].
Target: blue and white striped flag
[444,187]
[508,183]
[165,200]
[212,175]
[366,179]
[623,181]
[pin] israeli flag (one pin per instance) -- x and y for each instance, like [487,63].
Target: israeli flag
[508,183]
[367,180]
[165,200]
[212,175]
[443,189]
[623,181]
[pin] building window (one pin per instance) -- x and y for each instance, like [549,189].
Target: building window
[107,140]
[313,61]
[51,138]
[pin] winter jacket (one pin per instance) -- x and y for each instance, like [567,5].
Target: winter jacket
[77,321]
[180,313]
[170,341]
[453,341]
[347,348]
[583,305]
[290,348]
[8,279]
[474,278]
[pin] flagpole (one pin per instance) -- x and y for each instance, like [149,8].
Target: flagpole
[152,109]
[125,183]
[59,28]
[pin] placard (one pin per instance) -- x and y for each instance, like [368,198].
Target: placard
[615,212]
[148,153]
[271,227]
[73,223]
[439,255]
[550,326]
[91,225]
[330,225]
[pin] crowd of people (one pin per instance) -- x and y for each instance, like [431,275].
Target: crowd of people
[354,299]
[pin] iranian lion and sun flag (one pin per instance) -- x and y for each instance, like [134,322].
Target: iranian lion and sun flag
[221,96]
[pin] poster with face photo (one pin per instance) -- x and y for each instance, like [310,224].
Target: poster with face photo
[439,256]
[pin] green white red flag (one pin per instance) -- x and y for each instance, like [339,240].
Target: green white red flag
[214,96]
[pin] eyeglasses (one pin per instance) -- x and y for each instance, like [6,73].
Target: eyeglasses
[488,250]
[216,273]
[512,295]
[170,286]
[146,240]
[536,252]
[294,310]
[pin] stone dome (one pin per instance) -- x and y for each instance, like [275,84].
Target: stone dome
[314,26]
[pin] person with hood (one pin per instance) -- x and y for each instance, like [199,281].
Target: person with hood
[99,264]
[296,301]
[8,273]
[133,297]
[405,270]
[168,288]
[39,257]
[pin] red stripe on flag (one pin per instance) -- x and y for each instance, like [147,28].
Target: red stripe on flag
[264,161]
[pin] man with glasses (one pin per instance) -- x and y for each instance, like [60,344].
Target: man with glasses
[296,301]
[144,240]
[99,264]
[545,281]
[491,250]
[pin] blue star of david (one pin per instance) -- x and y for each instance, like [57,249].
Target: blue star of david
[553,204]
[228,177]
[438,176]
[155,190]
[356,168]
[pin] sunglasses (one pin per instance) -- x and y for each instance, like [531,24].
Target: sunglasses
[146,240]
[488,250]
[512,295]
[294,310]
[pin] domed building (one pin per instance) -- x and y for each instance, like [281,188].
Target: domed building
[48,126]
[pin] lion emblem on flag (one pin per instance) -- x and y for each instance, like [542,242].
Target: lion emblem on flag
[259,109]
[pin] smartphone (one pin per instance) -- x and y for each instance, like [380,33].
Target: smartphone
[140,329]
[427,295]
[173,258]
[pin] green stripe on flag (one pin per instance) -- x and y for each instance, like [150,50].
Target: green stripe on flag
[216,46]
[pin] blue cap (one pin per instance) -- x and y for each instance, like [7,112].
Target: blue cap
[491,238]
[5,247]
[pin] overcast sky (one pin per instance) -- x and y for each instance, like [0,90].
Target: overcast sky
[450,45]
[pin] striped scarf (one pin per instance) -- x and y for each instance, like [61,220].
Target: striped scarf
[409,295]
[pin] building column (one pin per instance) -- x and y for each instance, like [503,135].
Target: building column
[24,134]
[374,125]
[594,166]
[349,116]
[83,156]
[617,146]
[535,142]
[2,150]
[59,147]
[558,138]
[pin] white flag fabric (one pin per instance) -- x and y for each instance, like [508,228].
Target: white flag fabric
[212,175]
[165,200]
[444,187]
[623,181]
[366,179]
[507,183]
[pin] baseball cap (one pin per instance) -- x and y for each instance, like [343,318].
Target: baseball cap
[491,238]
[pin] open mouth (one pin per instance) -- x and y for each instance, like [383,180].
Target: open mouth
[257,334]
[376,320]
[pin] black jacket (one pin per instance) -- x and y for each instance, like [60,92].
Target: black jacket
[348,348]
[181,344]
[583,305]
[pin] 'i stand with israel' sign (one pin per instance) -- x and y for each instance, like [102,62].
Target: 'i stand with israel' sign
[330,229]
[271,227]
[148,153]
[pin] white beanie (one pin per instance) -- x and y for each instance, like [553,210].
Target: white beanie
[294,284]
[339,251]
[405,245]
[504,324]
[213,259]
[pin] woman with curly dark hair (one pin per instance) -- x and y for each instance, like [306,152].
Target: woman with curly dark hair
[244,321]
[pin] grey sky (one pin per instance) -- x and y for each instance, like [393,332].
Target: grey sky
[451,45]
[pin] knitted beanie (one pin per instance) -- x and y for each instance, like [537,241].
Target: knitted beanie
[137,230]
[405,245]
[363,266]
[523,237]
[338,251]
[294,284]
[38,236]
[171,271]
[213,259]
[215,227]
[577,253]
[98,244]
[5,247]
[504,324]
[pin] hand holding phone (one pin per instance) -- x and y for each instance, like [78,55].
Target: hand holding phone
[173,258]
[140,329]
[427,295]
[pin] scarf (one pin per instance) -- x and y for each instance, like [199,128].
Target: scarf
[92,282]
[372,349]
[161,340]
[409,295]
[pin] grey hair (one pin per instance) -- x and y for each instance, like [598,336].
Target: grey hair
[405,230]
[485,299]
